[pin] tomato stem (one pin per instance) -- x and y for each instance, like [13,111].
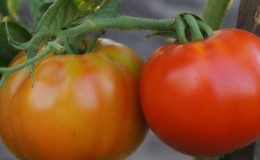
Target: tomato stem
[214,12]
[187,27]
[189,22]
[7,71]
[122,23]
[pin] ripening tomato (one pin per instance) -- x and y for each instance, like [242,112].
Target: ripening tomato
[203,98]
[80,106]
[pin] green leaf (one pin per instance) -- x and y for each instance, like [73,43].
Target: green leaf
[7,52]
[38,8]
[62,13]
[89,5]
[3,8]
[45,7]
[65,12]
[59,15]
[13,7]
[109,9]
[9,8]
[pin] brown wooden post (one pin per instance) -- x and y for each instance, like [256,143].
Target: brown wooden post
[249,16]
[246,153]
[248,19]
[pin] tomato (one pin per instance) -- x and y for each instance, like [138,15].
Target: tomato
[80,106]
[203,98]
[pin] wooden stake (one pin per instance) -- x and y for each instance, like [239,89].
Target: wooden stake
[249,16]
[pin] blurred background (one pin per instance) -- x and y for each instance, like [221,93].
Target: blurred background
[152,148]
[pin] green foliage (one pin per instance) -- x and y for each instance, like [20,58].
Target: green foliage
[89,6]
[9,8]
[38,8]
[13,7]
[7,52]
[62,25]
[67,12]
[109,9]
[59,15]
[3,8]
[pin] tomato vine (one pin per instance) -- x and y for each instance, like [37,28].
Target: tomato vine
[215,11]
[73,20]
[169,26]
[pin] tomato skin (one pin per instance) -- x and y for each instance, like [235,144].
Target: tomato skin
[80,107]
[203,98]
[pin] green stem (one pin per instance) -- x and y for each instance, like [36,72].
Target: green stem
[193,25]
[26,63]
[214,12]
[123,23]
[133,23]
[7,71]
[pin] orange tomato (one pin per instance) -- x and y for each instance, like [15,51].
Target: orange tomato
[80,106]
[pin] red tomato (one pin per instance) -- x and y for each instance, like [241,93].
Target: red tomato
[80,107]
[203,98]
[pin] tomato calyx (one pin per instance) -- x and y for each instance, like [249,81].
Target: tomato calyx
[190,27]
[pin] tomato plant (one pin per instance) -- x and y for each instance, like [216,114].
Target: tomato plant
[80,106]
[203,98]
